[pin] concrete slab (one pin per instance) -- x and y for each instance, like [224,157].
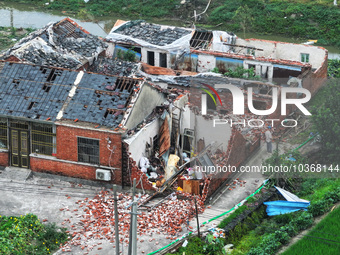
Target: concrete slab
[15,173]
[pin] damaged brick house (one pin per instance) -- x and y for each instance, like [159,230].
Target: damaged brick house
[125,119]
[198,50]
[69,122]
[229,145]
[61,44]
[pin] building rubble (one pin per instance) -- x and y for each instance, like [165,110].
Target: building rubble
[60,44]
[96,220]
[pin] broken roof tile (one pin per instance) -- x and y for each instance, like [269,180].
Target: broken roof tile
[61,44]
[38,92]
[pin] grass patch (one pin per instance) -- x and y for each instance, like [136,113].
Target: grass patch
[27,235]
[314,242]
[7,35]
[232,216]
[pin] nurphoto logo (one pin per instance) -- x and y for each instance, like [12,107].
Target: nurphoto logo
[238,104]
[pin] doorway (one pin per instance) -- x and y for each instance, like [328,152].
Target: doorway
[19,147]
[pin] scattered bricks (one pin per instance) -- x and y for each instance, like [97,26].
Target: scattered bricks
[166,218]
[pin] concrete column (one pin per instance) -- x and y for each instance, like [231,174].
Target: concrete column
[270,73]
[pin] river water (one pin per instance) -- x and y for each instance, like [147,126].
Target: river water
[27,16]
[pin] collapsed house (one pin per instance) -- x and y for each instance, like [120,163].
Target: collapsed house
[197,50]
[109,128]
[68,122]
[61,44]
[194,138]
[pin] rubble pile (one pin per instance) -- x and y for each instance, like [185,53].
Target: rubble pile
[97,219]
[114,67]
[154,34]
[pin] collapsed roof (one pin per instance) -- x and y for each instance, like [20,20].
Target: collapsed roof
[151,33]
[111,66]
[138,32]
[60,44]
[47,93]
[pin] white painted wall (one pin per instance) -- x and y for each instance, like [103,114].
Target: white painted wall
[138,142]
[144,59]
[110,50]
[204,129]
[261,67]
[284,51]
[205,63]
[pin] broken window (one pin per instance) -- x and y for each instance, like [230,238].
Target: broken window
[151,58]
[251,51]
[305,57]
[88,150]
[188,141]
[155,142]
[201,40]
[3,133]
[43,139]
[163,60]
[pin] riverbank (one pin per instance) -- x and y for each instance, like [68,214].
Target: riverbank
[9,36]
[305,20]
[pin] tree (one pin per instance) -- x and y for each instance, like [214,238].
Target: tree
[326,119]
[243,16]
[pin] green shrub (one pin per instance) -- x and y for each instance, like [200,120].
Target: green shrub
[304,221]
[269,245]
[283,218]
[290,229]
[334,195]
[320,207]
[27,235]
[282,236]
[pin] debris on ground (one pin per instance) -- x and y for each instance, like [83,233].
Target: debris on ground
[97,219]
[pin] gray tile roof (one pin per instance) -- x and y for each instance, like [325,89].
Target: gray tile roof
[37,92]
[152,33]
[66,45]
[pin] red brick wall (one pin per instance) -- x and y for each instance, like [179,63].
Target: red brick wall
[313,81]
[67,149]
[237,152]
[131,171]
[67,145]
[62,168]
[4,160]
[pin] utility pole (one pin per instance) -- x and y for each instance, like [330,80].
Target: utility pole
[132,223]
[116,218]
[134,230]
[198,224]
[12,22]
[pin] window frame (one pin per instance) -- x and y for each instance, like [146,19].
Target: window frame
[88,161]
[35,142]
[304,57]
[4,129]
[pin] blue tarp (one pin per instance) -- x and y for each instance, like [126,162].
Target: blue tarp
[282,207]
[293,204]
